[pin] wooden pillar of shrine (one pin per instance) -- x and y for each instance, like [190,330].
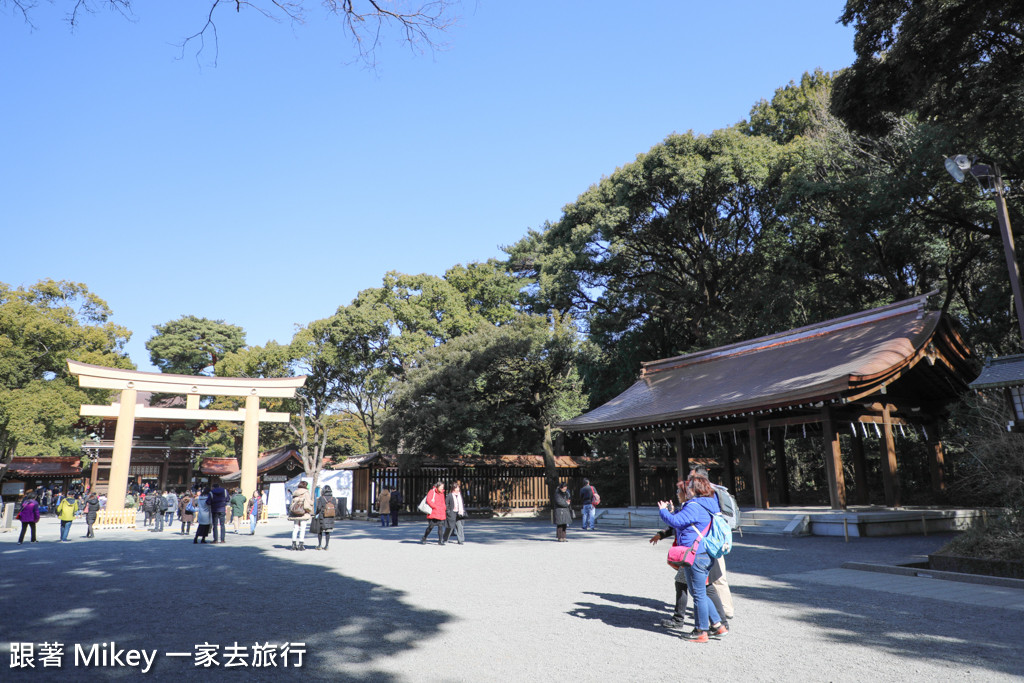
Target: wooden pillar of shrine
[779,448]
[890,474]
[634,470]
[758,476]
[833,460]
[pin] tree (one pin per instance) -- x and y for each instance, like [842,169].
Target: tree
[417,22]
[955,62]
[41,328]
[491,291]
[657,258]
[193,346]
[498,390]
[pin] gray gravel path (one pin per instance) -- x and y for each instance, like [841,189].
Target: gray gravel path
[510,605]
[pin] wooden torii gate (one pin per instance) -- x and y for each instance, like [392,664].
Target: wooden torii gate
[130,382]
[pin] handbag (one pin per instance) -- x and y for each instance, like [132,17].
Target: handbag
[680,555]
[424,506]
[314,525]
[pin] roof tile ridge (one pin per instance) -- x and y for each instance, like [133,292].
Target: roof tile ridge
[916,304]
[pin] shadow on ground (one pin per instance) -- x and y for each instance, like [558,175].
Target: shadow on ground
[174,596]
[763,569]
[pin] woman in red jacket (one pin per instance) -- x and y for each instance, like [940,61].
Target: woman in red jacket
[438,513]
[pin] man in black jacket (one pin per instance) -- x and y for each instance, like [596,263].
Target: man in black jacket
[396,505]
[218,502]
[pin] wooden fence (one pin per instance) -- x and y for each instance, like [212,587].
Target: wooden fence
[494,488]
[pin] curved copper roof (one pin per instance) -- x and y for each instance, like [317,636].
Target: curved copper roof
[842,360]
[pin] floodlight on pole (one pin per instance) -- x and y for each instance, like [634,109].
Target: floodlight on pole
[958,167]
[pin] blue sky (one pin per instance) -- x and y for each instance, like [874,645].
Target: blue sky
[270,188]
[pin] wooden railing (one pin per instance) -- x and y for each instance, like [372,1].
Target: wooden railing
[116,519]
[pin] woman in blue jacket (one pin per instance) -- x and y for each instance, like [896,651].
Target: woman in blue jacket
[693,516]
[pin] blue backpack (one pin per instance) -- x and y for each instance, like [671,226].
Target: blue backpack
[718,542]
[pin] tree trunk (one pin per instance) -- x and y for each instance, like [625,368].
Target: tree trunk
[550,467]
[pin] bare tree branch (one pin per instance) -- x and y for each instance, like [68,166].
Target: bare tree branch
[418,23]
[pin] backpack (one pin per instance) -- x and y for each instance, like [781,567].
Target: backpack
[161,503]
[329,509]
[730,510]
[596,500]
[298,507]
[150,504]
[718,542]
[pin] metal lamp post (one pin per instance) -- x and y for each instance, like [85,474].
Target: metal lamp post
[958,167]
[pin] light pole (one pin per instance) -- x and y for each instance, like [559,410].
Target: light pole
[958,167]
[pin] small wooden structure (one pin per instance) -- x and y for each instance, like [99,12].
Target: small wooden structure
[46,471]
[897,365]
[277,465]
[1005,376]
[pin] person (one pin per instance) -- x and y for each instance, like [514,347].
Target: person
[92,508]
[563,513]
[159,509]
[384,506]
[718,589]
[456,513]
[203,516]
[172,507]
[28,516]
[693,517]
[255,506]
[66,514]
[326,512]
[186,513]
[678,619]
[438,515]
[237,503]
[218,502]
[396,505]
[299,513]
[587,500]
[148,508]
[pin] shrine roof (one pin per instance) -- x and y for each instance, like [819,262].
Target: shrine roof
[1006,371]
[838,360]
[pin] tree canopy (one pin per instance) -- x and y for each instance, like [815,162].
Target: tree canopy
[41,328]
[955,62]
[193,346]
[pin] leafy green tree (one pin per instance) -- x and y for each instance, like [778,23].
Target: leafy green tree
[657,258]
[492,292]
[955,62]
[498,390]
[41,328]
[193,346]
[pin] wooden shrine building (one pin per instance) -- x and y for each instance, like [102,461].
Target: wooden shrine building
[897,365]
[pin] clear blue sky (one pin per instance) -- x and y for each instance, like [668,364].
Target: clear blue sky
[271,188]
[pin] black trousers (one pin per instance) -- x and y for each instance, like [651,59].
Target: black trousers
[26,525]
[440,524]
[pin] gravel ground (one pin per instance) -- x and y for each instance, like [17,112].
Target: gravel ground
[510,605]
